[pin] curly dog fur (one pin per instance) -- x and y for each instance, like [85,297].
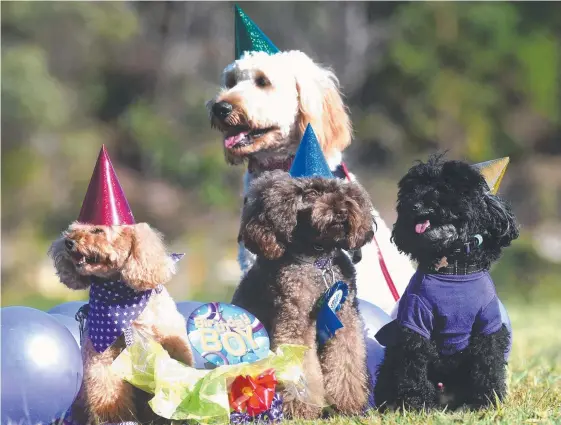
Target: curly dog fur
[288,223]
[456,199]
[412,370]
[453,201]
[270,100]
[262,110]
[136,255]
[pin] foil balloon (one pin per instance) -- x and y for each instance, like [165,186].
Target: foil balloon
[374,319]
[186,308]
[493,171]
[41,367]
[67,309]
[225,334]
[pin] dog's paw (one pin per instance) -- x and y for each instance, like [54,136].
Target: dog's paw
[425,400]
[298,410]
[352,408]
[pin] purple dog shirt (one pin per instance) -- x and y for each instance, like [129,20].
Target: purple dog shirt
[448,309]
[113,308]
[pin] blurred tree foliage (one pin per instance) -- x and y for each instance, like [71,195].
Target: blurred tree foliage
[480,80]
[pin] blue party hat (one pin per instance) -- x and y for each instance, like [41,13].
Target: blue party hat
[309,160]
[249,37]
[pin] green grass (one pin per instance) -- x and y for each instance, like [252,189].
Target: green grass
[534,378]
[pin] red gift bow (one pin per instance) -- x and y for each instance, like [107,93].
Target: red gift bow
[253,395]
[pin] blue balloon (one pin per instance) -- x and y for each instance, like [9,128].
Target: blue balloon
[69,323]
[395,308]
[67,309]
[41,367]
[374,318]
[506,322]
[187,307]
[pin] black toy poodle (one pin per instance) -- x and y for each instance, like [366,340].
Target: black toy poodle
[447,345]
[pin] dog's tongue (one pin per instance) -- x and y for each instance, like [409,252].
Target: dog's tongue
[234,140]
[421,227]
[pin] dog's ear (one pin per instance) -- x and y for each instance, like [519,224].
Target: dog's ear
[503,228]
[360,218]
[321,105]
[64,267]
[148,264]
[270,214]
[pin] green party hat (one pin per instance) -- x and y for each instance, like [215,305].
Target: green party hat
[249,37]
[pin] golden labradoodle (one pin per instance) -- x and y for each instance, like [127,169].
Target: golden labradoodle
[298,229]
[124,267]
[262,109]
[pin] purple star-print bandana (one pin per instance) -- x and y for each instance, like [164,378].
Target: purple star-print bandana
[113,308]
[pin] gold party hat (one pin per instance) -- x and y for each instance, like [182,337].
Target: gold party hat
[493,172]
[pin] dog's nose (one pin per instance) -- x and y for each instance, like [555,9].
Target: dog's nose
[341,214]
[357,255]
[222,109]
[69,243]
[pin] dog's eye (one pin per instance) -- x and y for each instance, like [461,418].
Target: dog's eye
[97,230]
[262,81]
[230,81]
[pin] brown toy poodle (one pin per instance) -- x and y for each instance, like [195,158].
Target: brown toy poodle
[124,267]
[298,229]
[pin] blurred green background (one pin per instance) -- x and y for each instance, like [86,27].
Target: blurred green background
[480,80]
